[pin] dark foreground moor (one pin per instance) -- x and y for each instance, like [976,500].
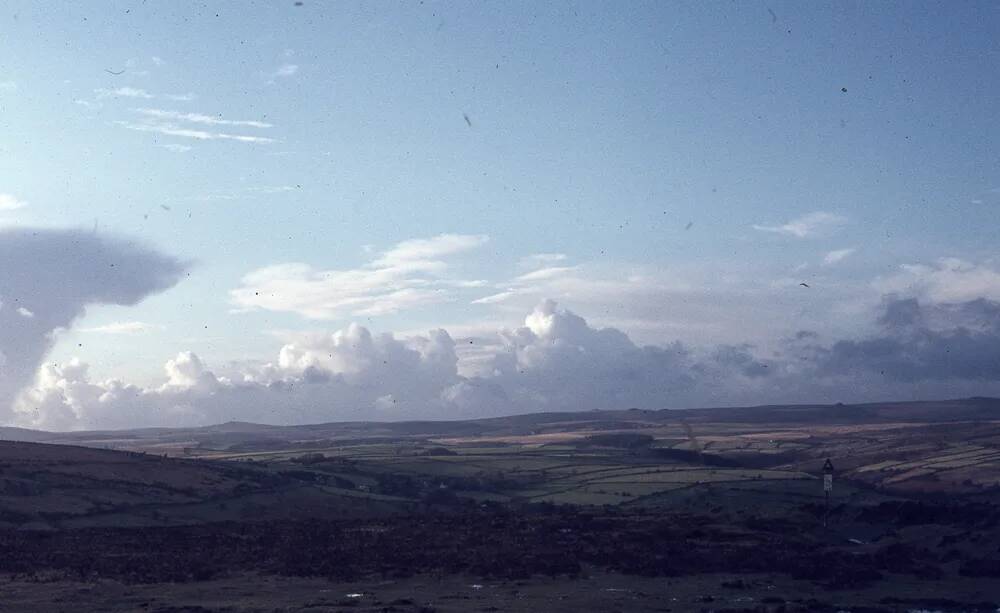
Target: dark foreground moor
[650,560]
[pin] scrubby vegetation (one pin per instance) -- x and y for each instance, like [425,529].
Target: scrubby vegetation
[541,540]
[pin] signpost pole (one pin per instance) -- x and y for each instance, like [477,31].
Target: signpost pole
[827,488]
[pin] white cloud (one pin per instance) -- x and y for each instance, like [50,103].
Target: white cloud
[171,123]
[495,298]
[9,203]
[285,70]
[61,395]
[123,92]
[948,280]
[157,61]
[832,257]
[555,361]
[813,224]
[538,260]
[545,273]
[122,327]
[8,86]
[410,274]
[188,97]
[200,118]
[176,148]
[23,312]
[174,130]
[467,283]
[422,250]
[131,92]
[349,372]
[187,372]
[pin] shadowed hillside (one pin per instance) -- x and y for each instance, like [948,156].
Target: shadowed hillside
[61,486]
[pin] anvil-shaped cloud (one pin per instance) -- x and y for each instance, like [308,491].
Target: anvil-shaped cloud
[47,279]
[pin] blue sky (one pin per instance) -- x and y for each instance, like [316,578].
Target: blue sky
[708,156]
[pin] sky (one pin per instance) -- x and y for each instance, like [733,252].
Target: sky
[291,212]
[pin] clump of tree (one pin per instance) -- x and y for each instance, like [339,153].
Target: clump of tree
[308,458]
[691,456]
[437,451]
[620,440]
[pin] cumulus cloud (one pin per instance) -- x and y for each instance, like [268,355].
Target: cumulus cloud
[60,394]
[47,279]
[349,374]
[410,274]
[555,361]
[813,224]
[188,372]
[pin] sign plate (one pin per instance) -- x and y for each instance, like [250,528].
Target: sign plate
[827,483]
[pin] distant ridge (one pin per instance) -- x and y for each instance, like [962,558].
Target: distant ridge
[952,410]
[11,433]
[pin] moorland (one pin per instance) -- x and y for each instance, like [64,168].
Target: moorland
[702,509]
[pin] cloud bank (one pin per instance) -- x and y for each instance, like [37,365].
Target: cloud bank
[556,361]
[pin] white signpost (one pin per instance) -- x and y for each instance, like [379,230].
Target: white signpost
[827,488]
